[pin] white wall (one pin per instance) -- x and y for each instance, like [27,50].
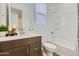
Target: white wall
[67,32]
[62,20]
[64,24]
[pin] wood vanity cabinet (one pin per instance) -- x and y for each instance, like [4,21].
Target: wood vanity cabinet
[21,47]
[35,46]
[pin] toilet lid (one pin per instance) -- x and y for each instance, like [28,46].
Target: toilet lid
[49,45]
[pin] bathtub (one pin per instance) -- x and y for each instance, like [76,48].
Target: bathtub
[63,50]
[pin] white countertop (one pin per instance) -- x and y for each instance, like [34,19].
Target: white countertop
[27,35]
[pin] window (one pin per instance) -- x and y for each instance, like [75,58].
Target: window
[40,13]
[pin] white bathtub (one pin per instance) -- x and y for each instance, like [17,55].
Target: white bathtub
[63,50]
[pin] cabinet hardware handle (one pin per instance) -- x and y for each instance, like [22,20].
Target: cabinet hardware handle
[36,48]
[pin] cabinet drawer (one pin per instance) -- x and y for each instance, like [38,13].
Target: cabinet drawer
[19,51]
[35,39]
[11,44]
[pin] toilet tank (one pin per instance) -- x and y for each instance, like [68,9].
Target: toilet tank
[47,37]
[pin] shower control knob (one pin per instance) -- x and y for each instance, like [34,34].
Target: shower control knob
[52,32]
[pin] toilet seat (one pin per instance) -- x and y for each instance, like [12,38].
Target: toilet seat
[50,47]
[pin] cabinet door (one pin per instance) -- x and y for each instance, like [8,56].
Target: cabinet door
[35,50]
[19,51]
[7,45]
[35,46]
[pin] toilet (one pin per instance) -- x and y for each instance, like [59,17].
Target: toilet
[49,48]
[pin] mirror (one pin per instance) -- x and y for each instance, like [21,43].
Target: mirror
[16,18]
[10,16]
[20,14]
